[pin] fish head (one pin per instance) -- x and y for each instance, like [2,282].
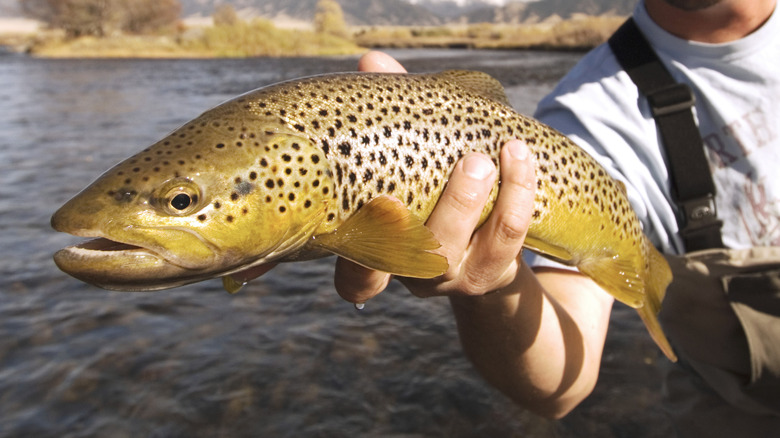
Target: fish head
[227,190]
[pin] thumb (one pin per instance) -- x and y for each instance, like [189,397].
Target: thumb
[379,62]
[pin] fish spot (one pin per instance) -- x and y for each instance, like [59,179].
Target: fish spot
[244,188]
[202,217]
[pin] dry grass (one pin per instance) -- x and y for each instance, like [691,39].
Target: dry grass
[577,34]
[258,38]
[263,38]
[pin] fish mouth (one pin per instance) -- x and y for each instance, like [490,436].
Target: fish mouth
[102,244]
[120,266]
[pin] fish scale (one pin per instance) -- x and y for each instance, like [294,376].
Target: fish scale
[349,164]
[428,128]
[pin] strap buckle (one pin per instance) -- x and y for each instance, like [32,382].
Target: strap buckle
[671,99]
[699,213]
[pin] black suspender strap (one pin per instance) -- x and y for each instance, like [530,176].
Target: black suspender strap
[672,103]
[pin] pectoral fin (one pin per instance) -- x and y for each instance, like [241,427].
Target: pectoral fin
[383,235]
[231,285]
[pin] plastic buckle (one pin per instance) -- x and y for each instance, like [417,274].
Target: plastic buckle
[671,99]
[699,213]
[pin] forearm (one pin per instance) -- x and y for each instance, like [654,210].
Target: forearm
[540,347]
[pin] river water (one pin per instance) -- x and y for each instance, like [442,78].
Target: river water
[285,357]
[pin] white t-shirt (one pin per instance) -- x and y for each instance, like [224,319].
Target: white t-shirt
[737,90]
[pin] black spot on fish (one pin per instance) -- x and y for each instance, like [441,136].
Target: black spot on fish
[125,195]
[244,188]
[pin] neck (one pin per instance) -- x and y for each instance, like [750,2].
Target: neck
[722,22]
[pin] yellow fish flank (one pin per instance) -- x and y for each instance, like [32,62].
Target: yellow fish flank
[349,164]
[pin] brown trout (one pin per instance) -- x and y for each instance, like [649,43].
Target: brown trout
[349,164]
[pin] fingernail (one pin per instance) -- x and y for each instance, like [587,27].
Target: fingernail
[518,150]
[477,166]
[360,306]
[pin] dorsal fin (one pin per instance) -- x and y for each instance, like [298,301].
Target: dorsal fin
[478,82]
[622,186]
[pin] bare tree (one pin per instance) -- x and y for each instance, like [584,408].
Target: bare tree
[329,19]
[225,15]
[146,16]
[103,17]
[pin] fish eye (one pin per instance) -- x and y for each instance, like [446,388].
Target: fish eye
[181,201]
[178,197]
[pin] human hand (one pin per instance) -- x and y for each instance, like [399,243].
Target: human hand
[479,262]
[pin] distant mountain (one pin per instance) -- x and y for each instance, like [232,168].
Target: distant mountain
[10,8]
[402,12]
[448,9]
[541,10]
[356,12]
[422,12]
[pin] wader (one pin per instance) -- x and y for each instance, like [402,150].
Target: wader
[721,312]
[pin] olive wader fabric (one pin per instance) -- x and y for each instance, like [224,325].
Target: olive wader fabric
[722,315]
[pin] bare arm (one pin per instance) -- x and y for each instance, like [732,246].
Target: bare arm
[538,337]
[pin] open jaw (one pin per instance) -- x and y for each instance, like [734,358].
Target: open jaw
[120,266]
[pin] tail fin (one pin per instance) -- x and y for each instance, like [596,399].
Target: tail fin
[657,279]
[643,291]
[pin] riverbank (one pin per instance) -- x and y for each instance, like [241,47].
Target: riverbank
[580,33]
[264,38]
